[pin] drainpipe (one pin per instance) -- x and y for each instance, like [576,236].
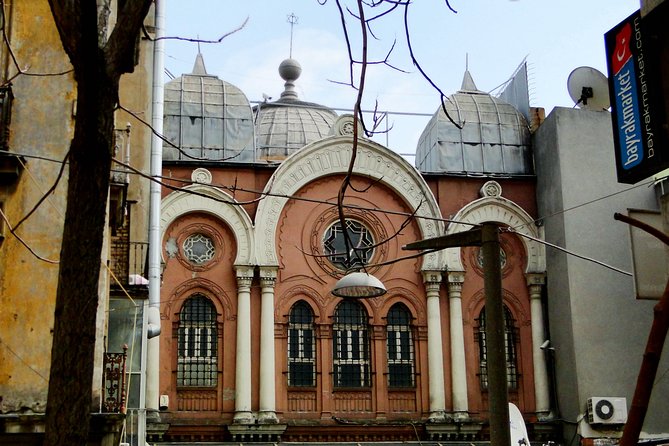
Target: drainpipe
[153,329]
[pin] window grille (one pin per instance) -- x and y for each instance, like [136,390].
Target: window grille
[301,346]
[199,249]
[510,341]
[351,346]
[197,363]
[362,245]
[400,347]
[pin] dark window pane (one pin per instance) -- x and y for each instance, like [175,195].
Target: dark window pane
[301,346]
[351,346]
[510,340]
[197,347]
[400,375]
[400,347]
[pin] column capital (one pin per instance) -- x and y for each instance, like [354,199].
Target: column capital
[244,275]
[455,277]
[244,271]
[269,272]
[432,277]
[268,276]
[535,278]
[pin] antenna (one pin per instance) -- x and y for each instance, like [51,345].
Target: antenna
[589,89]
[293,20]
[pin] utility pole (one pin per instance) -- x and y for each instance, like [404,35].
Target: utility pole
[487,237]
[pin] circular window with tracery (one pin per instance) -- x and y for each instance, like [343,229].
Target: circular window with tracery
[358,252]
[199,249]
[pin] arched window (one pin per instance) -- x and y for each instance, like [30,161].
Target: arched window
[197,343]
[351,346]
[400,347]
[510,340]
[301,346]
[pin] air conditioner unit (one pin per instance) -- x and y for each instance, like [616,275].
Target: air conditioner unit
[607,410]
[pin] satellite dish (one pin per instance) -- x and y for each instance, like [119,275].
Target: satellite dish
[588,88]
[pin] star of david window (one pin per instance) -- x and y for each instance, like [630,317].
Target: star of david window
[199,249]
[502,258]
[361,248]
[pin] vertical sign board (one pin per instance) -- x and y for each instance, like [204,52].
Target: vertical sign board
[633,50]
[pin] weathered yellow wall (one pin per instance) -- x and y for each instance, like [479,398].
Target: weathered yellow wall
[41,125]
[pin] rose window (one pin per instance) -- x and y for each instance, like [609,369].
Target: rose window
[199,249]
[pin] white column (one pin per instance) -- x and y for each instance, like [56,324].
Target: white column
[458,365]
[267,414]
[435,355]
[541,389]
[243,413]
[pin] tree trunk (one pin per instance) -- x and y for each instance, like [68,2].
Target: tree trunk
[69,401]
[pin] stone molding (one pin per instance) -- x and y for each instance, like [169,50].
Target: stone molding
[499,210]
[178,204]
[329,157]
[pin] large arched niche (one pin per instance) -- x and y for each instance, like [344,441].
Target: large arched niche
[498,210]
[331,156]
[195,198]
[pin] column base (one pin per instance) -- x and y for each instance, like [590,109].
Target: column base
[545,416]
[460,416]
[267,417]
[438,416]
[243,417]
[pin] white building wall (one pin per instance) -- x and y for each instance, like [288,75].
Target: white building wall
[598,328]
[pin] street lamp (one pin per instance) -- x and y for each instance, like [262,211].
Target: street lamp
[359,285]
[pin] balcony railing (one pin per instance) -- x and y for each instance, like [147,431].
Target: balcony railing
[113,382]
[128,260]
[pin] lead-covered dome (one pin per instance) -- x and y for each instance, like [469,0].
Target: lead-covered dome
[207,119]
[288,124]
[494,138]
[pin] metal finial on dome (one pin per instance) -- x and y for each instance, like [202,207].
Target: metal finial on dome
[290,71]
[293,20]
[198,67]
[468,82]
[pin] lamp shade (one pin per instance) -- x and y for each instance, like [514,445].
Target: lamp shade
[359,285]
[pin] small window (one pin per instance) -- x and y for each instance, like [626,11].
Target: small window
[351,346]
[361,249]
[510,340]
[197,344]
[400,347]
[301,346]
[199,249]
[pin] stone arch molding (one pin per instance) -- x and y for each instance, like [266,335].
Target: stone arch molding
[332,156]
[184,202]
[500,210]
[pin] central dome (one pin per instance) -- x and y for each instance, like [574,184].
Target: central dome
[288,124]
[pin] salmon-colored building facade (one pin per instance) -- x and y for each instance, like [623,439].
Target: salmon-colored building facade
[254,344]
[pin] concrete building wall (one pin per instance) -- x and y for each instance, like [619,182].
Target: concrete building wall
[598,328]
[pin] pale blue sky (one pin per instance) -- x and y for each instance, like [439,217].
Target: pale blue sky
[556,36]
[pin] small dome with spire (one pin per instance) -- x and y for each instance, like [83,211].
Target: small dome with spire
[206,119]
[288,124]
[491,136]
